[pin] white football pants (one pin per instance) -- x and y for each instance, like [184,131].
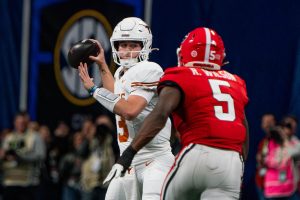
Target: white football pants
[202,172]
[143,181]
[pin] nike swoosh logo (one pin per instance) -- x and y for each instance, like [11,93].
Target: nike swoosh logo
[148,162]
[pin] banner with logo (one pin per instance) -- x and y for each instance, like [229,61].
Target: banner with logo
[56,92]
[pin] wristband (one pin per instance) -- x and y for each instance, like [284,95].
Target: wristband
[92,90]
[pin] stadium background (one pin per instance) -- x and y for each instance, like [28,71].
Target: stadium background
[262,40]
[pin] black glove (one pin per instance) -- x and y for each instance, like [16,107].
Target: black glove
[126,158]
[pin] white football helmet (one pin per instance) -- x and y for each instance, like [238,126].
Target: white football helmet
[131,29]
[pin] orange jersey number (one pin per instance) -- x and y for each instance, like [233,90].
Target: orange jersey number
[125,135]
[122,125]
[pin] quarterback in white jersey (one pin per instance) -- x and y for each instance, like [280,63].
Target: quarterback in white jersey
[141,80]
[131,95]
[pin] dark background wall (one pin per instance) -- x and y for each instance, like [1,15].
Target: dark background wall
[261,40]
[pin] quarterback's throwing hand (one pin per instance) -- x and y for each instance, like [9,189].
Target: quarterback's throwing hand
[115,172]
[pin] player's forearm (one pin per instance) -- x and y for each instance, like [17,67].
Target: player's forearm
[124,110]
[152,125]
[107,77]
[130,108]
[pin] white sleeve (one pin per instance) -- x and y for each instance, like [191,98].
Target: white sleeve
[145,80]
[147,94]
[147,75]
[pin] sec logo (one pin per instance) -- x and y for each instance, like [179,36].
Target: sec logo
[82,25]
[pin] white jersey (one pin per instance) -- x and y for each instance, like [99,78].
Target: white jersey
[141,79]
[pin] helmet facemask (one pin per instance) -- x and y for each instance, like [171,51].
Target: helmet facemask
[142,55]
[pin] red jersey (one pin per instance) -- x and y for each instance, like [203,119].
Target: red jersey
[212,105]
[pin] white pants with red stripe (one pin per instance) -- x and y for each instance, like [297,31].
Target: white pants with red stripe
[142,181]
[202,172]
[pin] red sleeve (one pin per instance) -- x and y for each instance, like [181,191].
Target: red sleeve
[168,79]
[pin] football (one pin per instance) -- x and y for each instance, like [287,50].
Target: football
[81,51]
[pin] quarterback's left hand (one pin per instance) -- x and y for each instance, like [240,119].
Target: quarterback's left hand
[84,76]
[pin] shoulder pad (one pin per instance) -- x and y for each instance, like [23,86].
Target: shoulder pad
[145,75]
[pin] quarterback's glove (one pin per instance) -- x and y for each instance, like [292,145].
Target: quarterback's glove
[121,166]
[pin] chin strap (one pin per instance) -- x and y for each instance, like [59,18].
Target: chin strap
[106,98]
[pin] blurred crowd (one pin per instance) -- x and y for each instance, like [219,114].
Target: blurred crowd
[67,164]
[278,159]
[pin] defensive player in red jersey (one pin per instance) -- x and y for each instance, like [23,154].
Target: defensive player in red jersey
[207,105]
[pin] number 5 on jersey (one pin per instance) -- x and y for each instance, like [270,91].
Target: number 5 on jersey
[123,137]
[218,95]
[123,133]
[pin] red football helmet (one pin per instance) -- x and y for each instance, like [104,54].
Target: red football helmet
[202,47]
